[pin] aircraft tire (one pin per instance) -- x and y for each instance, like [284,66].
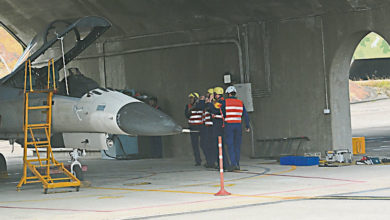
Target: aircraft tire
[3,164]
[78,172]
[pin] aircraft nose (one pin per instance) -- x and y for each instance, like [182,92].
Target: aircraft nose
[138,118]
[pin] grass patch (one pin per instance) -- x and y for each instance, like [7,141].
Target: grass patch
[382,86]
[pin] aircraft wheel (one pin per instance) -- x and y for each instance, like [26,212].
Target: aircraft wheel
[3,165]
[78,172]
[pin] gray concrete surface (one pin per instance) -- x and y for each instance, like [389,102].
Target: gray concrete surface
[372,121]
[296,54]
[175,189]
[374,115]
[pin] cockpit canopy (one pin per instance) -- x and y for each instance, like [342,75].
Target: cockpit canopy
[60,39]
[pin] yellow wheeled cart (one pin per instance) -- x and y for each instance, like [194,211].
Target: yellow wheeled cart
[43,168]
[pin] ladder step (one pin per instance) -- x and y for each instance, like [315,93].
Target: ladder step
[37,160]
[38,107]
[42,90]
[42,146]
[37,142]
[48,165]
[63,178]
[38,126]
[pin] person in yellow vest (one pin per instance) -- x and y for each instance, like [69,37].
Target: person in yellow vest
[194,114]
[233,110]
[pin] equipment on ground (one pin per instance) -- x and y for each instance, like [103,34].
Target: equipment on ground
[359,145]
[340,156]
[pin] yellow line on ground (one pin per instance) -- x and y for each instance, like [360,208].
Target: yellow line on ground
[292,168]
[110,197]
[192,192]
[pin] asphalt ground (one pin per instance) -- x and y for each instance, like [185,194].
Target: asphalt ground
[175,189]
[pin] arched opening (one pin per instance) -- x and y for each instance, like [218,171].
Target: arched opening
[370,91]
[349,52]
[10,51]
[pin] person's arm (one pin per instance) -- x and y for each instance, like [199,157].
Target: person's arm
[187,112]
[223,108]
[246,118]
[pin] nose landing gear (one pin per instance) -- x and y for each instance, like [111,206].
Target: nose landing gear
[75,166]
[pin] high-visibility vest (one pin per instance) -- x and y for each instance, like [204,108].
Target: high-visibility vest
[207,118]
[196,117]
[234,109]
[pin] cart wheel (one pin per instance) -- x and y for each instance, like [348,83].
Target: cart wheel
[77,188]
[45,190]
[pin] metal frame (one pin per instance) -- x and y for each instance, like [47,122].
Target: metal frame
[38,164]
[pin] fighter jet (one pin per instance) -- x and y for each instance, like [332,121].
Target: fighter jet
[83,114]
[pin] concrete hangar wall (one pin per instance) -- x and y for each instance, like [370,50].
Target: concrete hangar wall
[298,66]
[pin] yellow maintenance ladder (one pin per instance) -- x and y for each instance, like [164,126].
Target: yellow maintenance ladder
[42,167]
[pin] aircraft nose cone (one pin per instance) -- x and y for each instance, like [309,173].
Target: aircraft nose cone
[138,118]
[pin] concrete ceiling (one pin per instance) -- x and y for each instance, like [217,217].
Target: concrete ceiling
[137,17]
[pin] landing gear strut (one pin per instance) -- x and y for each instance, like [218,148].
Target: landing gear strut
[3,166]
[75,166]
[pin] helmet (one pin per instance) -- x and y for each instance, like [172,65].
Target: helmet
[218,90]
[211,90]
[231,89]
[193,94]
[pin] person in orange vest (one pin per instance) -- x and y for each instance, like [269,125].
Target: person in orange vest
[233,110]
[218,126]
[194,114]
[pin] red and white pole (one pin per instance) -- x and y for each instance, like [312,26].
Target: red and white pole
[222,191]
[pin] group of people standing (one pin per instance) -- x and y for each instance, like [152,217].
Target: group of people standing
[211,116]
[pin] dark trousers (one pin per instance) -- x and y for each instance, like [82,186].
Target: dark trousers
[218,130]
[207,144]
[233,137]
[195,137]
